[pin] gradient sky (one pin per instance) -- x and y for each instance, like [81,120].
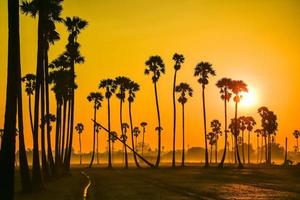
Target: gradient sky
[256,41]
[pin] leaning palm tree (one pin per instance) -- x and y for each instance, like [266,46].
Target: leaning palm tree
[124,137]
[216,129]
[96,98]
[204,70]
[30,80]
[250,123]
[223,85]
[122,83]
[79,128]
[236,87]
[156,67]
[296,134]
[132,88]
[136,133]
[143,125]
[179,59]
[184,91]
[109,86]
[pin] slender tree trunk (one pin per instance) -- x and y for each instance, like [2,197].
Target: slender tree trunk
[97,152]
[285,156]
[174,121]
[63,130]
[257,147]
[183,151]
[132,138]
[94,137]
[216,152]
[211,154]
[159,127]
[143,141]
[249,147]
[266,150]
[30,113]
[261,149]
[236,131]
[68,132]
[57,132]
[109,141]
[243,147]
[80,155]
[225,131]
[204,119]
[122,133]
[269,150]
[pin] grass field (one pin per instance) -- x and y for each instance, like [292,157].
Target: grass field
[180,183]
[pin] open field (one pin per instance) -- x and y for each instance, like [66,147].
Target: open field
[180,183]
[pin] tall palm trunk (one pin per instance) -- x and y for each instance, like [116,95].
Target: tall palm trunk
[80,152]
[97,146]
[183,150]
[159,127]
[249,147]
[174,120]
[109,141]
[257,148]
[261,149]
[63,129]
[122,132]
[57,133]
[236,142]
[204,119]
[266,150]
[132,138]
[30,112]
[211,153]
[68,131]
[243,147]
[225,131]
[216,151]
[94,137]
[143,141]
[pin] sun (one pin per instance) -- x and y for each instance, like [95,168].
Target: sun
[249,99]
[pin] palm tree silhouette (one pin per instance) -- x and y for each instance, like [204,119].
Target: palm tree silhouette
[96,98]
[179,59]
[156,67]
[184,91]
[204,70]
[216,129]
[124,137]
[243,128]
[132,88]
[211,137]
[250,123]
[258,133]
[136,133]
[109,86]
[296,134]
[234,127]
[236,87]
[79,128]
[223,85]
[113,138]
[143,125]
[122,84]
[97,142]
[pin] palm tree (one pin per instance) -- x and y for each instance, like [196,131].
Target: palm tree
[204,70]
[124,137]
[109,87]
[258,132]
[48,119]
[211,137]
[132,88]
[97,142]
[216,129]
[243,128]
[143,125]
[184,90]
[113,138]
[96,98]
[223,85]
[29,80]
[156,67]
[79,128]
[234,127]
[122,83]
[296,134]
[136,133]
[179,59]
[250,123]
[7,154]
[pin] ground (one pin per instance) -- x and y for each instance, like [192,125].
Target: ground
[181,183]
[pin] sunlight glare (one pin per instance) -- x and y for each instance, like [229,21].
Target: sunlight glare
[249,99]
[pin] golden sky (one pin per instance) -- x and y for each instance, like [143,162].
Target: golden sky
[256,41]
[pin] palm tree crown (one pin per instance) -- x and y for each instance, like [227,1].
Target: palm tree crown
[79,128]
[296,134]
[97,97]
[238,86]
[121,83]
[156,66]
[184,89]
[30,81]
[224,85]
[132,87]
[203,70]
[109,85]
[179,59]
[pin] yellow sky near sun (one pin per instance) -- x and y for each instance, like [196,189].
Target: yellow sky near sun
[256,41]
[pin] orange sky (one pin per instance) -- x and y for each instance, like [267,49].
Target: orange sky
[256,41]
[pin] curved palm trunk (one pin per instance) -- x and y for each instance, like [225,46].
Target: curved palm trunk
[132,138]
[109,141]
[249,148]
[174,120]
[183,150]
[80,153]
[236,143]
[204,119]
[94,137]
[159,129]
[243,147]
[122,132]
[225,131]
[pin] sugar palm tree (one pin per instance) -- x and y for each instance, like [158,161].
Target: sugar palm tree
[109,86]
[179,59]
[243,128]
[143,125]
[223,84]
[113,138]
[79,128]
[124,137]
[296,134]
[136,133]
[211,137]
[184,91]
[132,88]
[156,67]
[250,123]
[216,129]
[203,70]
[96,98]
[234,127]
[122,83]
